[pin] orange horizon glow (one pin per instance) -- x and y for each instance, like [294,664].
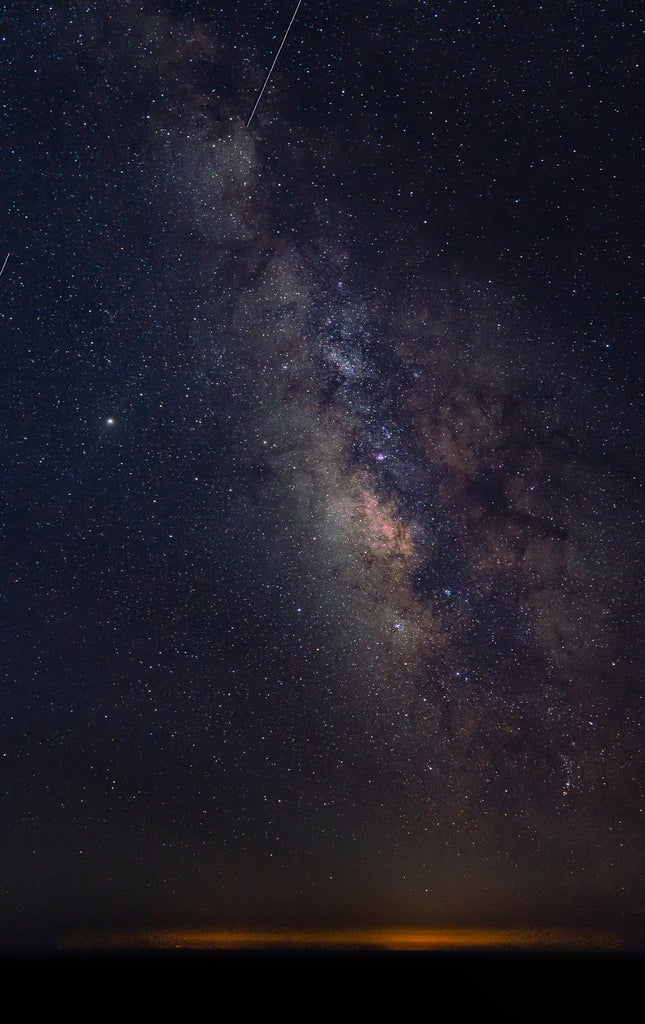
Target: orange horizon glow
[382,939]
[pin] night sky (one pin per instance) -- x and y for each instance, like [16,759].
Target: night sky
[321,597]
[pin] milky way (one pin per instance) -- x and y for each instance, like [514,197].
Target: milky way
[360,522]
[457,593]
[426,488]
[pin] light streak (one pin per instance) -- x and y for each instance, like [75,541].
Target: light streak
[275,61]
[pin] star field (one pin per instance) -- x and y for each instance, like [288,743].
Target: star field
[321,591]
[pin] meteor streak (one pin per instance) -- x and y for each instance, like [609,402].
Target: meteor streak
[275,61]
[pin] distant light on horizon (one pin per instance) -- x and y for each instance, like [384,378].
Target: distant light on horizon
[376,939]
